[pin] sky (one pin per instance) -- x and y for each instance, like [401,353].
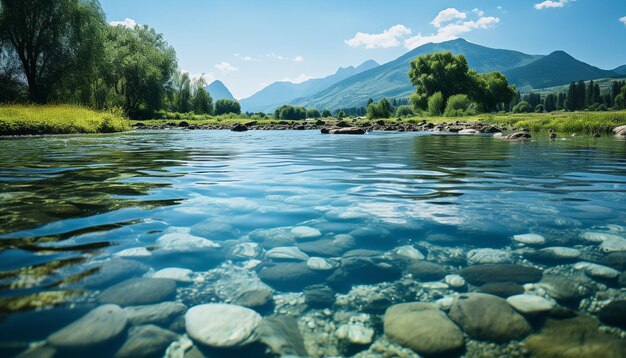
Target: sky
[248,44]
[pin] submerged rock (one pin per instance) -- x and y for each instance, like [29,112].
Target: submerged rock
[595,270]
[305,232]
[455,281]
[616,260]
[423,328]
[319,296]
[221,325]
[355,334]
[427,271]
[290,276]
[320,264]
[282,336]
[146,341]
[182,241]
[110,271]
[407,252]
[174,273]
[529,239]
[488,256]
[614,314]
[100,325]
[139,291]
[362,270]
[243,288]
[562,289]
[502,289]
[481,274]
[530,304]
[287,253]
[160,314]
[554,254]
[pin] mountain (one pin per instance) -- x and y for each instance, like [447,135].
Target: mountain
[279,93]
[558,68]
[391,80]
[218,90]
[621,70]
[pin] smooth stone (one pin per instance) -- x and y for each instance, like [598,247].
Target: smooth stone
[214,230]
[501,289]
[100,325]
[323,248]
[286,253]
[319,264]
[221,325]
[576,337]
[362,270]
[174,273]
[305,232]
[160,314]
[319,296]
[595,270]
[243,288]
[110,271]
[487,317]
[616,260]
[134,252]
[613,244]
[290,276]
[529,304]
[275,237]
[561,288]
[355,334]
[247,250]
[358,253]
[184,242]
[139,291]
[146,341]
[562,252]
[614,314]
[282,336]
[488,256]
[456,281]
[427,271]
[408,252]
[598,237]
[621,280]
[481,274]
[530,239]
[423,328]
[252,298]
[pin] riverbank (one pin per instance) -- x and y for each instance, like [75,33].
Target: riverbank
[58,119]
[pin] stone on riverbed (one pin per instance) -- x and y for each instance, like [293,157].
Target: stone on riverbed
[423,328]
[174,273]
[320,264]
[305,232]
[290,276]
[427,271]
[282,336]
[182,241]
[355,333]
[488,317]
[100,325]
[139,291]
[556,254]
[406,252]
[614,314]
[529,239]
[563,289]
[530,304]
[221,325]
[146,341]
[481,274]
[597,271]
[113,270]
[501,289]
[488,256]
[160,314]
[319,296]
[286,253]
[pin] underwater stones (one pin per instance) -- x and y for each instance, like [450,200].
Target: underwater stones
[174,273]
[184,242]
[247,250]
[305,233]
[159,314]
[214,230]
[319,296]
[614,314]
[323,247]
[320,264]
[562,289]
[481,274]
[616,260]
[427,271]
[243,288]
[423,328]
[501,289]
[113,270]
[530,304]
[406,252]
[100,325]
[576,337]
[555,254]
[442,239]
[355,334]
[488,317]
[134,252]
[282,336]
[222,325]
[275,237]
[488,256]
[529,239]
[362,270]
[286,253]
[597,271]
[455,281]
[598,237]
[139,291]
[613,244]
[290,276]
[146,341]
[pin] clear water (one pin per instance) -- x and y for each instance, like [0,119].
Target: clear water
[70,201]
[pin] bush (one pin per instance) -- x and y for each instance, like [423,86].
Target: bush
[458,106]
[435,104]
[522,107]
[540,108]
[404,111]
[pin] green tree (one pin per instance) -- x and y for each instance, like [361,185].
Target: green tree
[435,104]
[341,114]
[184,93]
[522,107]
[549,102]
[312,113]
[560,101]
[581,92]
[492,89]
[202,101]
[404,111]
[572,97]
[459,105]
[326,113]
[539,108]
[52,40]
[225,106]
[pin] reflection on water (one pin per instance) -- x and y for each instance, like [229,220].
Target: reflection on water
[73,205]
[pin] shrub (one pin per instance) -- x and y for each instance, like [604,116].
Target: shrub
[404,111]
[522,107]
[459,105]
[435,104]
[540,108]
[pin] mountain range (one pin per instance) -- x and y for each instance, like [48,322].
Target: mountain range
[218,90]
[353,86]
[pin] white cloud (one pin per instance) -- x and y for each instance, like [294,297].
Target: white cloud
[550,4]
[479,12]
[226,67]
[623,20]
[389,38]
[451,31]
[448,15]
[246,58]
[301,78]
[128,23]
[276,57]
[298,58]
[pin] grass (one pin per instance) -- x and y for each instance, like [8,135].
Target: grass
[58,119]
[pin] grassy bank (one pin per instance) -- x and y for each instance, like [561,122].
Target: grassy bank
[58,119]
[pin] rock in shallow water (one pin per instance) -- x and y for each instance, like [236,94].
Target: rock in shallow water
[614,314]
[427,271]
[146,341]
[355,333]
[423,328]
[100,325]
[595,270]
[290,276]
[159,314]
[530,304]
[530,239]
[362,270]
[174,273]
[305,232]
[488,256]
[562,289]
[111,271]
[221,325]
[488,317]
[319,296]
[139,291]
[286,253]
[320,264]
[283,337]
[501,289]
[481,274]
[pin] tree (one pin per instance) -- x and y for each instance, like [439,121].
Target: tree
[439,72]
[560,101]
[522,107]
[341,114]
[382,109]
[458,105]
[225,106]
[539,108]
[184,93]
[435,104]
[572,97]
[312,113]
[491,90]
[52,40]
[326,113]
[581,92]
[549,102]
[369,101]
[404,111]
[202,101]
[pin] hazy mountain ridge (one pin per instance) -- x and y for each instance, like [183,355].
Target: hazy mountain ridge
[218,90]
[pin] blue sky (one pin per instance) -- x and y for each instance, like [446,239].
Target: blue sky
[250,43]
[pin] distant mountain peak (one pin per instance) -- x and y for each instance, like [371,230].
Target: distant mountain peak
[218,90]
